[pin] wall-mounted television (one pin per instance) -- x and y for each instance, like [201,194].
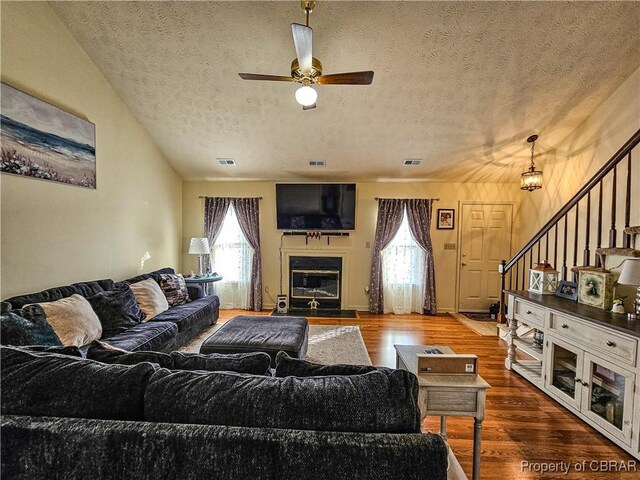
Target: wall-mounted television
[316,206]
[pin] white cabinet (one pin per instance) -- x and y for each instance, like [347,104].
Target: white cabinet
[587,367]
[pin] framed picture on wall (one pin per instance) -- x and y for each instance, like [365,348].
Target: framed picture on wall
[42,141]
[446,219]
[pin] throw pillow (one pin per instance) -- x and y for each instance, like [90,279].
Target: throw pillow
[27,326]
[373,402]
[256,363]
[287,366]
[73,320]
[174,288]
[117,310]
[47,384]
[105,353]
[150,298]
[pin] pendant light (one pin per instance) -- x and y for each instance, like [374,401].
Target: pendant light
[531,179]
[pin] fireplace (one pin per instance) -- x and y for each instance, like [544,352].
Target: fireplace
[315,278]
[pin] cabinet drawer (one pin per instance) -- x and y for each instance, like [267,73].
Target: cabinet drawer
[606,341]
[529,313]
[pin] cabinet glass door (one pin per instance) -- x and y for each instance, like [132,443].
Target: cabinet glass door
[609,398]
[562,379]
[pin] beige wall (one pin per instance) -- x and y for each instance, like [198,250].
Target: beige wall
[355,245]
[570,164]
[54,234]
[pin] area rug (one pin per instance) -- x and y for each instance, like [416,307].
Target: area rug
[484,328]
[327,344]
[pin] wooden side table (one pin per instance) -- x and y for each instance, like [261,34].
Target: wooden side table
[448,395]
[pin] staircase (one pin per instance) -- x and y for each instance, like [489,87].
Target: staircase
[573,238]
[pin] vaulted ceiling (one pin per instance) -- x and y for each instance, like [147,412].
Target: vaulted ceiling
[459,85]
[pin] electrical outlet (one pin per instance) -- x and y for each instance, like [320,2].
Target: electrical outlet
[367,244]
[266,288]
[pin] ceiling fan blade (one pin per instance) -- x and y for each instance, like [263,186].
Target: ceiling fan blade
[272,78]
[309,107]
[303,39]
[351,78]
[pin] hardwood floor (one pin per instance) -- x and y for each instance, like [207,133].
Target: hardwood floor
[522,424]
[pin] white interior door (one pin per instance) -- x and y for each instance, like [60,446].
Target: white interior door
[485,240]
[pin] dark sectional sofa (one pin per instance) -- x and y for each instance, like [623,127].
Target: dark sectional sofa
[76,419]
[72,418]
[166,332]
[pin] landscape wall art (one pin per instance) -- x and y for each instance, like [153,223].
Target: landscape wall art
[41,141]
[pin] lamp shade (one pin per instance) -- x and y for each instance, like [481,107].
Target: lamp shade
[630,274]
[199,246]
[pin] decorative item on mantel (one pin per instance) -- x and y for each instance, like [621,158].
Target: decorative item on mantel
[543,278]
[595,287]
[531,179]
[199,246]
[630,275]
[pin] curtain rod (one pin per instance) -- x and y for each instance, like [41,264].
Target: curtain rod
[434,199]
[259,198]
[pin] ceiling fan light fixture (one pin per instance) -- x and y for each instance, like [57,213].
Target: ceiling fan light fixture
[306,96]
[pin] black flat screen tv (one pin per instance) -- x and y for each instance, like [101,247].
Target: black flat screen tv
[316,206]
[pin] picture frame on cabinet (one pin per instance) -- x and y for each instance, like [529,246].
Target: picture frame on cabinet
[595,288]
[568,290]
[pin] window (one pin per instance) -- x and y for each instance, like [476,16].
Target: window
[403,263]
[231,257]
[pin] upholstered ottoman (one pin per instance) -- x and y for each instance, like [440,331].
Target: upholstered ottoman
[249,333]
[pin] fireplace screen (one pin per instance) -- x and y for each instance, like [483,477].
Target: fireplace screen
[315,284]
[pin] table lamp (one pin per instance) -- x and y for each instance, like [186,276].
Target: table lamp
[630,275]
[199,246]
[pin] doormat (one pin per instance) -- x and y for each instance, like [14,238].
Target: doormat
[307,312]
[484,328]
[479,317]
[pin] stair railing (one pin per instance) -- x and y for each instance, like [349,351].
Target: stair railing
[556,241]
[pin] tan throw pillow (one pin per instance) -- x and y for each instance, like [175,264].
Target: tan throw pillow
[150,298]
[73,320]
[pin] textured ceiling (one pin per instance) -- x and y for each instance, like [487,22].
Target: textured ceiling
[458,84]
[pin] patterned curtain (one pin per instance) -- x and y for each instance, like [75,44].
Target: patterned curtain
[247,211]
[390,213]
[419,215]
[215,211]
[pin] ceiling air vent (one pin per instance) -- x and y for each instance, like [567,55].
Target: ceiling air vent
[411,162]
[226,161]
[317,163]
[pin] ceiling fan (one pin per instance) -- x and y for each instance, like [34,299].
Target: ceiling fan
[307,70]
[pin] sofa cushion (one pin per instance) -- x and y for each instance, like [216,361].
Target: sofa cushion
[105,353]
[46,384]
[256,363]
[72,351]
[287,366]
[26,326]
[373,402]
[150,298]
[145,336]
[116,309]
[187,315]
[86,289]
[73,320]
[174,288]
